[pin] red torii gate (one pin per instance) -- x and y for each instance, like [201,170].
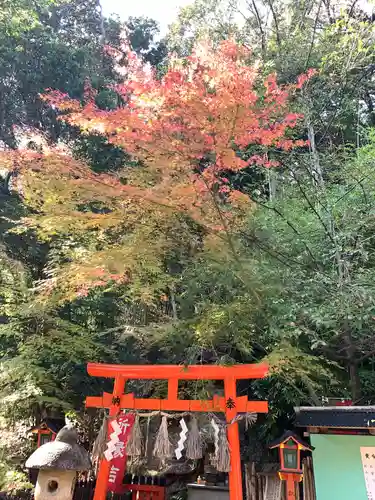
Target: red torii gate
[231,404]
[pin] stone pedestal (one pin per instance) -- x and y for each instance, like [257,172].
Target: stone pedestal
[53,484]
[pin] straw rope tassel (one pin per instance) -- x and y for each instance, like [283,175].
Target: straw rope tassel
[163,447]
[134,446]
[100,444]
[223,454]
[194,443]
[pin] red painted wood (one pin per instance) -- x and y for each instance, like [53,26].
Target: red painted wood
[142,487]
[216,405]
[290,488]
[235,475]
[104,466]
[146,491]
[173,390]
[191,372]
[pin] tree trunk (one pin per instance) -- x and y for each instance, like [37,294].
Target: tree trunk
[355,381]
[102,27]
[173,304]
[272,184]
[370,107]
[316,169]
[6,130]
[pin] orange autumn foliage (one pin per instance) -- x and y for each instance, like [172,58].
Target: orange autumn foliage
[187,130]
[203,109]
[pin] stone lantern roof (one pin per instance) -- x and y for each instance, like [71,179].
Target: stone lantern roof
[62,454]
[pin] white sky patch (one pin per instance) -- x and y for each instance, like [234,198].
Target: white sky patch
[163,11]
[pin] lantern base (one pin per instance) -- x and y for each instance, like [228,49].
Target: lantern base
[294,476]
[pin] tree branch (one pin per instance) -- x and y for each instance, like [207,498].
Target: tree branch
[269,2]
[259,21]
[313,36]
[314,209]
[292,227]
[365,356]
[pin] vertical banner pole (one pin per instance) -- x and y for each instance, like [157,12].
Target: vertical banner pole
[103,473]
[235,475]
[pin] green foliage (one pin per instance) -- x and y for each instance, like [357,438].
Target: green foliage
[200,19]
[142,33]
[14,446]
[322,239]
[13,482]
[42,364]
[95,150]
[60,49]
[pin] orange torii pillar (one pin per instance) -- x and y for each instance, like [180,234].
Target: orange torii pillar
[231,405]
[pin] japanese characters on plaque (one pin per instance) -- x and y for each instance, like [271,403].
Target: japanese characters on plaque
[368,463]
[119,432]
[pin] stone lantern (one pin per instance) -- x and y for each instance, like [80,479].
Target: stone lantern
[58,463]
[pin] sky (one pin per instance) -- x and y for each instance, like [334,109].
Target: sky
[163,11]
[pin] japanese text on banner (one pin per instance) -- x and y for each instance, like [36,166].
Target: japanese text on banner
[119,432]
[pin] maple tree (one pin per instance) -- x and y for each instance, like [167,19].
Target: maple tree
[186,130]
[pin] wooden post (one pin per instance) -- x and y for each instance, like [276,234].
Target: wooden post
[235,476]
[103,473]
[290,487]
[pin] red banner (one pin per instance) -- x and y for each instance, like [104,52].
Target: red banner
[119,432]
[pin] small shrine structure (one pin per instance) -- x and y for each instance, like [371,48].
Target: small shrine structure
[47,430]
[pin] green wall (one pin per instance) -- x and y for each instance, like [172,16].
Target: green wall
[338,466]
